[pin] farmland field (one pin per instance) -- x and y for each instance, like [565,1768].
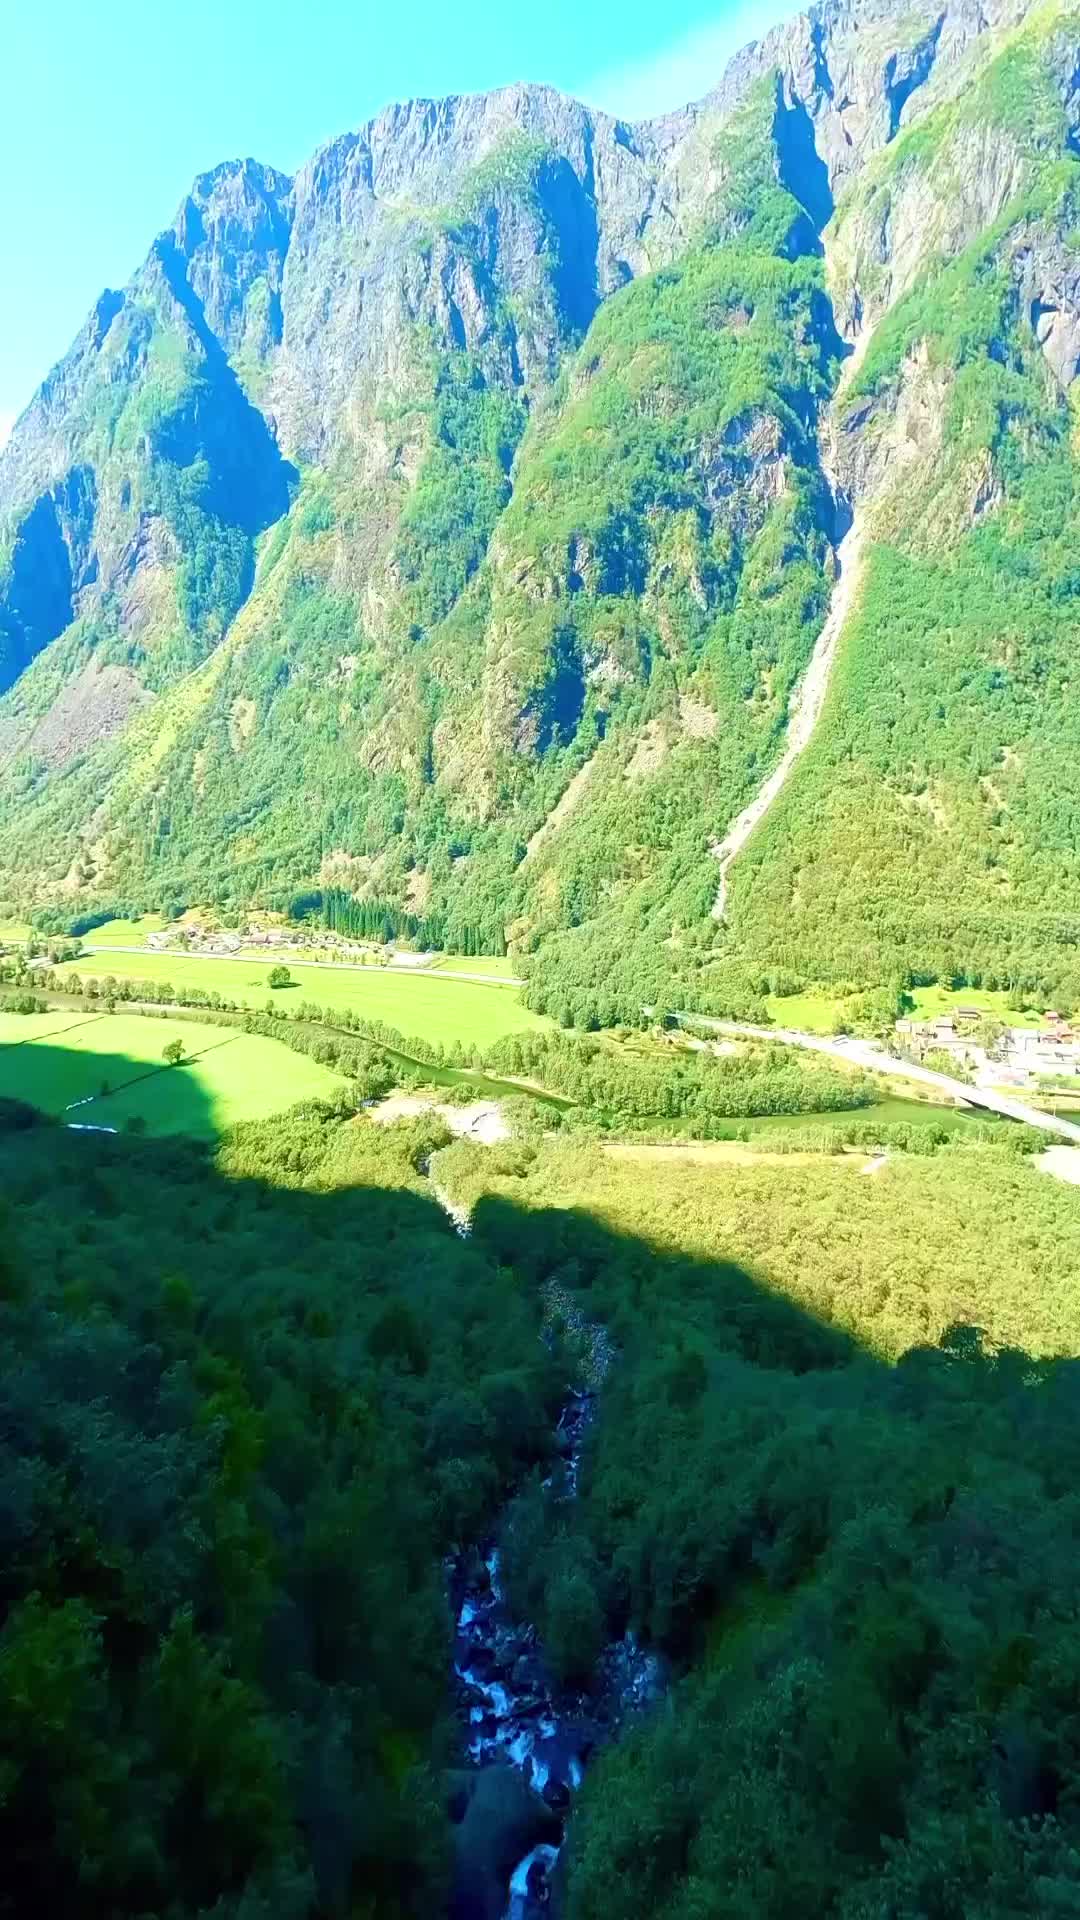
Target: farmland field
[932,1002]
[113,1063]
[126,932]
[817,1011]
[810,1012]
[17,1029]
[438,1007]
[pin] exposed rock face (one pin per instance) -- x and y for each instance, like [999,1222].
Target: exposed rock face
[232,233]
[404,322]
[315,285]
[1048,278]
[92,707]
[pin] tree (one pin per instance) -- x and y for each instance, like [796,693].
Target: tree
[173,1053]
[989,1033]
[280,977]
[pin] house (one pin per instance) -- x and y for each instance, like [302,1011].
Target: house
[1022,1039]
[968,1014]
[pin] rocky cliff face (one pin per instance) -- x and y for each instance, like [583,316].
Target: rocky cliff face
[434,216]
[389,499]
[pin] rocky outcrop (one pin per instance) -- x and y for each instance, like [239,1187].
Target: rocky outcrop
[1047,276]
[436,211]
[92,707]
[315,323]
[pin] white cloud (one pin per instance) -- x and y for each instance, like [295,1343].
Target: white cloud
[7,421]
[685,69]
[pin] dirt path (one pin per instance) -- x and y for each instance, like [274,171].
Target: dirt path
[482,1121]
[1062,1162]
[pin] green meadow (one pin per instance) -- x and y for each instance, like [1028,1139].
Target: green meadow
[932,1002]
[817,1011]
[105,1070]
[438,1007]
[124,932]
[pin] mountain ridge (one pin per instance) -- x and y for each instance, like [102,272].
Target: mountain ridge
[393,494]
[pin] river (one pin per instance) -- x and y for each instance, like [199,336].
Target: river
[514,1716]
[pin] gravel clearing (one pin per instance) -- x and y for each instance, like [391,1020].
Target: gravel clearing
[482,1121]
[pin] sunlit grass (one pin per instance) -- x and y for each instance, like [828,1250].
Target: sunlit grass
[123,932]
[114,1063]
[932,1002]
[415,1003]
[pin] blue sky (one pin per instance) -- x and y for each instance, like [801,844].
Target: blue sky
[110,111]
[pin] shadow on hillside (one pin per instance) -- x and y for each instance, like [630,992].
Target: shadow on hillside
[249,1401]
[111,1090]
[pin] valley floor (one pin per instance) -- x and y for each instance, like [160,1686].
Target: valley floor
[107,1071]
[445,1006]
[867,1054]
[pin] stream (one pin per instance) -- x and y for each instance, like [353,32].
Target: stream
[513,1714]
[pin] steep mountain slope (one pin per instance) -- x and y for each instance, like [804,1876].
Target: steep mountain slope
[934,822]
[450,524]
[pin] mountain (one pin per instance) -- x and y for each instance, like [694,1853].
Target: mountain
[456,525]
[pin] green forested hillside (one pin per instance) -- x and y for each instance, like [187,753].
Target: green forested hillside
[254,1397]
[643,556]
[859,1572]
[230,1472]
[933,823]
[497,624]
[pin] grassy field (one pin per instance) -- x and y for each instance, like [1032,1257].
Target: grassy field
[123,932]
[11,930]
[891,1111]
[720,1153]
[18,1029]
[114,1063]
[440,1009]
[818,1011]
[808,1012]
[930,1002]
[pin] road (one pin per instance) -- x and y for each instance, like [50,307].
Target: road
[864,1053]
[858,1053]
[285,959]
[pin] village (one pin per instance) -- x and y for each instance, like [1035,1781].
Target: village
[981,1047]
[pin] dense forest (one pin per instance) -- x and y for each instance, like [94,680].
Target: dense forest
[255,1395]
[250,1403]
